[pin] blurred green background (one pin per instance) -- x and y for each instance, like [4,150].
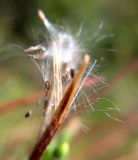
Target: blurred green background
[116,49]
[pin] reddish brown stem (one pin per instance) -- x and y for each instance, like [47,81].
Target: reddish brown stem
[20,102]
[59,115]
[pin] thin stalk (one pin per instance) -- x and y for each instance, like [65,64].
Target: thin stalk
[60,113]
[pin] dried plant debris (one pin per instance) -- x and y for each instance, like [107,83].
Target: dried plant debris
[58,61]
[62,65]
[67,75]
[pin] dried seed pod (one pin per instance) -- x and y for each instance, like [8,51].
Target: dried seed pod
[39,57]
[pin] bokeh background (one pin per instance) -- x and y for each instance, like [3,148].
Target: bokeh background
[116,49]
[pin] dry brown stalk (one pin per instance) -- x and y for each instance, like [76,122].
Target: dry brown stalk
[60,114]
[27,100]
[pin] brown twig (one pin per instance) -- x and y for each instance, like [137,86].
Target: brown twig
[59,115]
[27,100]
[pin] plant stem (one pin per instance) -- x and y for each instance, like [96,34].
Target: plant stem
[60,114]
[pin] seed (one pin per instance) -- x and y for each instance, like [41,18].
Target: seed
[72,73]
[28,114]
[47,85]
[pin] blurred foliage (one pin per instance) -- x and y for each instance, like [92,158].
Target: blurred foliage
[116,47]
[19,21]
